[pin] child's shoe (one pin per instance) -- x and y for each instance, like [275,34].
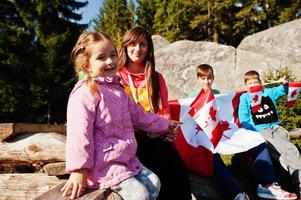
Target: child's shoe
[274,191]
[241,196]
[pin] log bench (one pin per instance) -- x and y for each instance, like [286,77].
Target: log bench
[88,194]
[25,186]
[43,145]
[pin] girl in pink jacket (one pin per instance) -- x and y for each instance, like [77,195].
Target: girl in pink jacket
[101,145]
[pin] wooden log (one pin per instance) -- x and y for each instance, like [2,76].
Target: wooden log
[34,148]
[295,133]
[25,186]
[10,129]
[89,194]
[55,169]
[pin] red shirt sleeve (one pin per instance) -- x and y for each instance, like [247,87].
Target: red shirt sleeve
[164,96]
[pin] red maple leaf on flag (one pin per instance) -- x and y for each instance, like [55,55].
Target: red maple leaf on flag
[224,125]
[293,93]
[212,113]
[255,99]
[198,128]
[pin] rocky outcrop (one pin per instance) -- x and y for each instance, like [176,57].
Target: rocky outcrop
[270,49]
[159,41]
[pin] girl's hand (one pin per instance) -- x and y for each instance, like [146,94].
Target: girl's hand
[75,184]
[173,125]
[172,130]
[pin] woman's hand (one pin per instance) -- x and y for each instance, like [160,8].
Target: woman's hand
[75,184]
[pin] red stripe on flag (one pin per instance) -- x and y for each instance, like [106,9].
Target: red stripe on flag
[256,88]
[216,135]
[290,103]
[175,108]
[235,103]
[202,99]
[294,84]
[197,159]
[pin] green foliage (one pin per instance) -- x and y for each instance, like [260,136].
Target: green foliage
[36,74]
[226,22]
[289,117]
[114,19]
[145,14]
[36,37]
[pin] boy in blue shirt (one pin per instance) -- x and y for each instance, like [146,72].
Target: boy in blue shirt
[262,163]
[266,121]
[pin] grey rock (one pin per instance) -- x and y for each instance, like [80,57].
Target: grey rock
[159,41]
[270,49]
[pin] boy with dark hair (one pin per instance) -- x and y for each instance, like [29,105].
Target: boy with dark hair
[261,160]
[266,121]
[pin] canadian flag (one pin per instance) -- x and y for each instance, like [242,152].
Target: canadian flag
[293,91]
[255,92]
[195,146]
[203,111]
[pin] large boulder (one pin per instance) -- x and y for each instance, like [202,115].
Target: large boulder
[277,47]
[159,41]
[270,49]
[178,61]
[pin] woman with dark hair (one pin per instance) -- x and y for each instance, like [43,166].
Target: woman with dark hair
[147,87]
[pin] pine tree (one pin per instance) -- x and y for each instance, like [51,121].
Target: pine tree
[114,19]
[132,11]
[38,41]
[160,18]
[146,13]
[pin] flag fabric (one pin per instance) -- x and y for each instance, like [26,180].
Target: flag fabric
[203,111]
[255,92]
[195,146]
[293,91]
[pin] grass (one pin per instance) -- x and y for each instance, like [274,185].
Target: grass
[227,158]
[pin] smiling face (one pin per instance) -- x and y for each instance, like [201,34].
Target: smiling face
[205,82]
[137,51]
[103,59]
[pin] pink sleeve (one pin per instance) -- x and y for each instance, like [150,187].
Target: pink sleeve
[146,121]
[80,139]
[164,96]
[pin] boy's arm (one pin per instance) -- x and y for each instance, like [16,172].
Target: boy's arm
[276,92]
[244,114]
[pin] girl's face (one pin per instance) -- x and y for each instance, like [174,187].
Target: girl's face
[137,51]
[103,59]
[206,82]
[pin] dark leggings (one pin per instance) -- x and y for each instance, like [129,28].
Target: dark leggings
[262,165]
[163,159]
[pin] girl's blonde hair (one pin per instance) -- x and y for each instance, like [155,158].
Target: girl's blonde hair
[137,34]
[81,54]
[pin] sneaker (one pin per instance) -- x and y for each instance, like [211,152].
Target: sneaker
[241,196]
[274,191]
